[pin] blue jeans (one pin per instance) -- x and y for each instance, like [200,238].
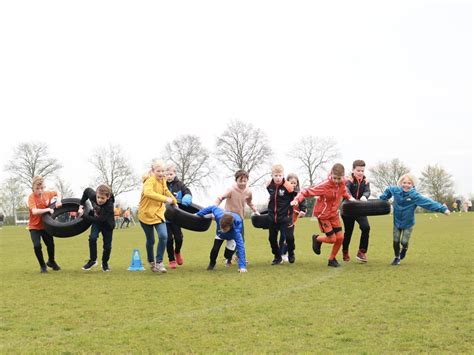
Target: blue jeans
[150,240]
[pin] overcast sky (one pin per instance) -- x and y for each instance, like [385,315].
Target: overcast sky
[386,79]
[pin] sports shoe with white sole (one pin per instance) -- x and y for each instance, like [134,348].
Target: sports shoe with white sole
[89,265]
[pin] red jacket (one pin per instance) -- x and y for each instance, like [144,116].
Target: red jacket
[330,197]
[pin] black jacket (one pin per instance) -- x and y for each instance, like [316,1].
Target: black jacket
[100,214]
[358,190]
[279,208]
[178,189]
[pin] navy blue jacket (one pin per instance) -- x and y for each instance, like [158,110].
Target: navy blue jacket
[103,215]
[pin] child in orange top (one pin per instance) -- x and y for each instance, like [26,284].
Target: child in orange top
[38,204]
[326,210]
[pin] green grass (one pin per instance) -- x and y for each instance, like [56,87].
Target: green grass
[423,305]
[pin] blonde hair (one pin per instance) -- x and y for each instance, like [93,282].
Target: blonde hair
[277,168]
[37,180]
[171,166]
[407,176]
[157,163]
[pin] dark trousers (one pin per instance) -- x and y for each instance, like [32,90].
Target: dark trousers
[174,235]
[48,240]
[364,226]
[107,239]
[215,251]
[125,220]
[283,228]
[228,254]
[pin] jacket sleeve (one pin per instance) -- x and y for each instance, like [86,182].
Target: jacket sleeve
[429,204]
[366,192]
[346,193]
[169,193]
[222,197]
[387,194]
[88,194]
[107,213]
[185,190]
[149,193]
[216,211]
[316,190]
[250,202]
[303,206]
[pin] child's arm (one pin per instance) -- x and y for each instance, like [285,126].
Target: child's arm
[223,197]
[107,213]
[430,204]
[316,190]
[149,193]
[251,204]
[216,211]
[88,194]
[387,194]
[187,196]
[170,195]
[34,209]
[366,192]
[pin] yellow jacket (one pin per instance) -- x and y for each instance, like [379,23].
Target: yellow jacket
[152,201]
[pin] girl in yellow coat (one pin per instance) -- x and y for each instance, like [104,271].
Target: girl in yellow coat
[151,213]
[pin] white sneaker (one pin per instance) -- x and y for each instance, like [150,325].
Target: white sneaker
[285,258]
[160,267]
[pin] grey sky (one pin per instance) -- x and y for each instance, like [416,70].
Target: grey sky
[386,79]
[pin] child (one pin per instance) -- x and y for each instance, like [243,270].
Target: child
[359,188]
[183,195]
[301,212]
[326,210]
[237,196]
[151,213]
[126,217]
[229,228]
[102,218]
[38,204]
[405,201]
[280,214]
[117,214]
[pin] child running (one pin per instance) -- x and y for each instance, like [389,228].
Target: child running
[330,192]
[405,200]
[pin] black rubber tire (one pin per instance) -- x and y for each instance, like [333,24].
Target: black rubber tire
[184,216]
[365,208]
[65,229]
[261,221]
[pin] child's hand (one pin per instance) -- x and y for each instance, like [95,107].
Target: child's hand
[242,270]
[51,210]
[301,214]
[447,212]
[256,213]
[363,198]
[58,203]
[352,199]
[169,200]
[80,211]
[294,203]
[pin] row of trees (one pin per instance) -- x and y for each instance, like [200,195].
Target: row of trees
[240,146]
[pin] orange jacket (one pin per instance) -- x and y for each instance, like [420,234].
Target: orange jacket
[329,195]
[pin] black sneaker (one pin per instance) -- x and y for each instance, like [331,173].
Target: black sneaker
[316,244]
[403,253]
[291,258]
[89,265]
[43,269]
[105,267]
[333,263]
[396,261]
[53,265]
[211,266]
[277,261]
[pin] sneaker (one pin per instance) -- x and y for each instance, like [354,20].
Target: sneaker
[361,256]
[153,266]
[53,265]
[316,244]
[179,258]
[345,256]
[160,267]
[403,253]
[89,265]
[291,258]
[43,269]
[211,266]
[396,261]
[333,263]
[105,267]
[228,262]
[284,258]
[277,261]
[173,264]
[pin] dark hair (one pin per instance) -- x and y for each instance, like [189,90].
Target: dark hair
[240,173]
[358,163]
[227,220]
[338,169]
[103,190]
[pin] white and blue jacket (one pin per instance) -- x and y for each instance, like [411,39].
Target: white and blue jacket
[235,232]
[405,203]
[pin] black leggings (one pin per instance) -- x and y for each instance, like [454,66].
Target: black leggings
[364,226]
[174,235]
[48,240]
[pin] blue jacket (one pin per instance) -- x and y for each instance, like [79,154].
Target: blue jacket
[235,232]
[405,203]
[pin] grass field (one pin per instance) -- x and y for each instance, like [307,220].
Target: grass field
[423,305]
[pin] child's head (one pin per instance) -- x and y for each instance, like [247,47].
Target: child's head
[358,168]
[337,173]
[241,178]
[158,169]
[102,194]
[170,172]
[277,173]
[406,182]
[38,185]
[226,222]
[293,180]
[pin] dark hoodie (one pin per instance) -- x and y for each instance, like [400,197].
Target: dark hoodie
[103,215]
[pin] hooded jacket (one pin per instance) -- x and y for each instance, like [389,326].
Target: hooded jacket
[178,189]
[279,208]
[100,214]
[152,201]
[405,203]
[329,195]
[358,187]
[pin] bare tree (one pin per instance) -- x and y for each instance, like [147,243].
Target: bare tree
[242,146]
[114,170]
[12,196]
[387,174]
[314,153]
[191,159]
[63,187]
[31,159]
[437,183]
